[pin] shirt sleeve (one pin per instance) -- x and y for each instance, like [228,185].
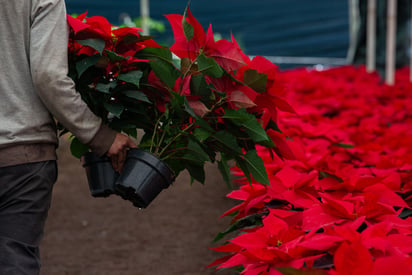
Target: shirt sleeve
[49,69]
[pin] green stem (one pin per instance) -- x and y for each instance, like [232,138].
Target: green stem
[154,134]
[186,74]
[160,142]
[176,137]
[173,152]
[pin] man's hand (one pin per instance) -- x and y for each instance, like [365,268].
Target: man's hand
[118,151]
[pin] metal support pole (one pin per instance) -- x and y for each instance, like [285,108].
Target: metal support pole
[391,42]
[371,37]
[145,15]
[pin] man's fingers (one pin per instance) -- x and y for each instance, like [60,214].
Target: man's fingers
[119,160]
[131,144]
[118,151]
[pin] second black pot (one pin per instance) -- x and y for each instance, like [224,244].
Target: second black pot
[100,174]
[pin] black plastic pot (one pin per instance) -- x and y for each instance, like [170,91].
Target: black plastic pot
[100,174]
[143,177]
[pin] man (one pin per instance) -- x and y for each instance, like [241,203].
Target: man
[34,88]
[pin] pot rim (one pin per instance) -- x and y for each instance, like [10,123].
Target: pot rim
[137,153]
[90,158]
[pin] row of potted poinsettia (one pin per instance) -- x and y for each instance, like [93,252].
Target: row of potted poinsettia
[198,101]
[342,203]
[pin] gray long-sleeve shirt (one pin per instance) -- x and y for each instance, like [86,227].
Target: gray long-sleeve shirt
[34,85]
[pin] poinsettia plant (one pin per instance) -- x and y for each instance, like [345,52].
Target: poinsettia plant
[199,100]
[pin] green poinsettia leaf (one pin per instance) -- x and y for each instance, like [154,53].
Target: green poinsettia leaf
[257,81]
[209,66]
[136,95]
[132,77]
[196,153]
[196,172]
[226,142]
[257,133]
[106,88]
[188,108]
[345,145]
[155,53]
[406,213]
[86,63]
[238,116]
[114,108]
[165,71]
[114,57]
[224,170]
[95,43]
[201,134]
[123,126]
[251,126]
[201,123]
[137,109]
[273,125]
[252,164]
[176,106]
[199,87]
[241,163]
[131,132]
[250,221]
[77,148]
[188,29]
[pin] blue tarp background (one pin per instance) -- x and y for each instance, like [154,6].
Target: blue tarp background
[311,28]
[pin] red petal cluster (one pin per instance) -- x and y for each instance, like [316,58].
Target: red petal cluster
[123,41]
[224,52]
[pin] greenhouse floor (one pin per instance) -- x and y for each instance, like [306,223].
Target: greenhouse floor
[86,235]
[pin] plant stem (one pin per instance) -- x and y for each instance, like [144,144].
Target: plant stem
[186,74]
[154,134]
[173,151]
[188,127]
[160,142]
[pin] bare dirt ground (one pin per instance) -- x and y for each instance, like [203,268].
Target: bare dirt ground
[87,236]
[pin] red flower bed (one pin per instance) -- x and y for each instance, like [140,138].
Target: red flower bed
[340,202]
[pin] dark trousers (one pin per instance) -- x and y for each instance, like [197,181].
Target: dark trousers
[25,196]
